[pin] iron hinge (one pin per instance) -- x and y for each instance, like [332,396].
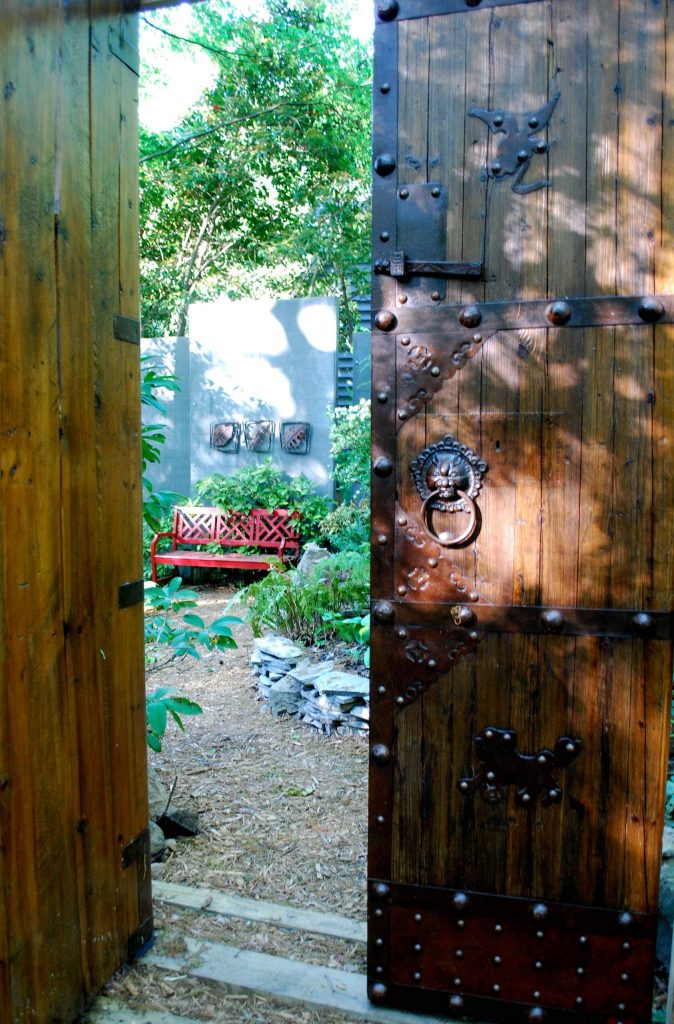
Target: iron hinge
[130,594]
[138,852]
[120,47]
[400,267]
[125,328]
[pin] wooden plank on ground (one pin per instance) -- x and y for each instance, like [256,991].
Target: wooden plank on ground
[213,902]
[109,1011]
[239,970]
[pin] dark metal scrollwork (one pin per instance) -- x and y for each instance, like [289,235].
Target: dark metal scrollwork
[448,476]
[502,765]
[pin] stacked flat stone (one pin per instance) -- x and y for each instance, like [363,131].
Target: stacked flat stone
[309,688]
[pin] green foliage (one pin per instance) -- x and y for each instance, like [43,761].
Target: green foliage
[352,629]
[156,504]
[264,186]
[261,485]
[159,706]
[298,605]
[170,625]
[348,526]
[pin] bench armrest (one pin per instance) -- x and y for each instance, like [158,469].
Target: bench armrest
[153,543]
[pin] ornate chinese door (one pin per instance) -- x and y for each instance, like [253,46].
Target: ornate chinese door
[523,526]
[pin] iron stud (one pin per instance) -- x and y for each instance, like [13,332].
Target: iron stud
[626,947]
[457,982]
[458,954]
[432,663]
[498,120]
[540,935]
[381,819]
[538,965]
[381,690]
[387,9]
[433,562]
[402,590]
[477,338]
[382,539]
[541,147]
[507,737]
[400,701]
[460,923]
[417,918]
[651,309]
[435,371]
[456,1002]
[380,754]
[402,633]
[539,911]
[497,959]
[384,611]
[621,1007]
[498,928]
[580,971]
[379,942]
[435,296]
[526,798]
[379,969]
[402,299]
[558,313]
[583,940]
[625,920]
[417,975]
[378,912]
[496,167]
[488,734]
[542,759]
[624,977]
[404,193]
[382,397]
[417,947]
[536,995]
[385,88]
[463,786]
[384,236]
[490,776]
[378,992]
[579,1000]
[473,635]
[570,747]
[384,164]
[405,341]
[385,320]
[435,192]
[383,466]
[533,122]
[470,316]
[460,900]
[536,1015]
[522,156]
[552,620]
[642,622]
[496,989]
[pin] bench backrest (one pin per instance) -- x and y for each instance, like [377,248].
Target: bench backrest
[260,528]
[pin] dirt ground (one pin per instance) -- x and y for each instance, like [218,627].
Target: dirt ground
[283,818]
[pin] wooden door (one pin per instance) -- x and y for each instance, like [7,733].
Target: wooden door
[523,398]
[74,871]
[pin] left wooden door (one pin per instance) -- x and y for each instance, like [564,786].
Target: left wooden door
[74,865]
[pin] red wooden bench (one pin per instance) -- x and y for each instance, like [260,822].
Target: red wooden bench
[274,530]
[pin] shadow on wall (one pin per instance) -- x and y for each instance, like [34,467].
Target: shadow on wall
[253,361]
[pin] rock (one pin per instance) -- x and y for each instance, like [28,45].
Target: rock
[284,696]
[158,870]
[280,648]
[157,842]
[179,822]
[361,712]
[312,554]
[346,683]
[668,843]
[306,671]
[158,794]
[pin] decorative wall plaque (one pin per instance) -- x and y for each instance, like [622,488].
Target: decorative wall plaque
[259,435]
[295,438]
[226,436]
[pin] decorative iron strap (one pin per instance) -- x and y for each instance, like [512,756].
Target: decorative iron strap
[598,311]
[486,619]
[405,10]
[432,948]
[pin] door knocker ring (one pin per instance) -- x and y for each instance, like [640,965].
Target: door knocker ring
[448,476]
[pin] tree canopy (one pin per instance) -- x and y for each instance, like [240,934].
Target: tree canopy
[263,187]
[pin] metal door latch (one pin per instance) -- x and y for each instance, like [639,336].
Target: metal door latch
[400,267]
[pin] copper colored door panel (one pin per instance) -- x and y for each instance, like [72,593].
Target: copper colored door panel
[523,539]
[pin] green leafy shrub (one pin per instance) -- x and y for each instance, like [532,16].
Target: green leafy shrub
[295,604]
[264,486]
[348,525]
[170,625]
[159,705]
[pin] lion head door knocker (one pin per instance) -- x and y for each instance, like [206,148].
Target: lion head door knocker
[448,476]
[519,144]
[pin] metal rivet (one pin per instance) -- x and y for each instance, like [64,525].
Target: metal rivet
[435,296]
[381,754]
[385,88]
[627,947]
[379,970]
[496,167]
[498,120]
[382,538]
[507,737]
[541,147]
[540,935]
[402,299]
[385,320]
[384,164]
[387,9]
[625,920]
[460,900]
[384,236]
[456,1002]
[417,975]
[405,341]
[463,786]
[377,992]
[404,193]
[496,989]
[624,977]
[402,415]
[558,313]
[497,959]
[400,701]
[488,734]
[435,192]
[381,690]
[379,942]
[526,798]
[470,316]
[542,759]
[642,622]
[383,466]
[580,971]
[417,947]
[402,590]
[402,521]
[401,632]
[570,747]
[552,620]
[378,912]
[477,338]
[473,635]
[537,1014]
[460,923]
[539,965]
[533,122]
[382,396]
[583,940]
[498,928]
[384,611]
[539,911]
[651,309]
[536,995]
[458,954]
[457,982]
[433,562]
[417,918]
[621,1007]
[579,1000]
[491,776]
[522,156]
[380,819]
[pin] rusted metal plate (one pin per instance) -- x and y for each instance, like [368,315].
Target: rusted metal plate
[479,952]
